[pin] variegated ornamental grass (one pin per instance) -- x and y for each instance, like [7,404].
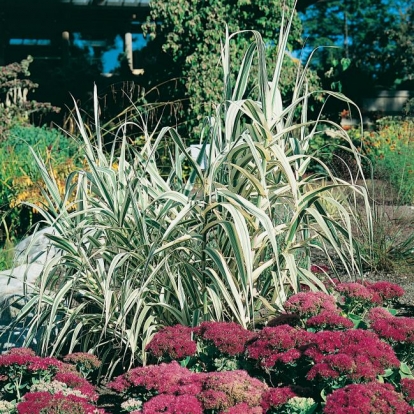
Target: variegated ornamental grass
[142,250]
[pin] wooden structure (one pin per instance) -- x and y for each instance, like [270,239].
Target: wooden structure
[45,28]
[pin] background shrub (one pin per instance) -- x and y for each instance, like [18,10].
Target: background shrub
[20,178]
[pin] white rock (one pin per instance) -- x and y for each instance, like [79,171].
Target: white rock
[31,256]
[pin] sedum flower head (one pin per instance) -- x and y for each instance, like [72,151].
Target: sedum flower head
[6,407]
[222,390]
[356,354]
[173,342]
[407,388]
[242,408]
[384,291]
[308,304]
[329,320]
[45,402]
[392,328]
[164,378]
[274,398]
[278,344]
[373,397]
[85,360]
[173,404]
[228,337]
[76,382]
[354,291]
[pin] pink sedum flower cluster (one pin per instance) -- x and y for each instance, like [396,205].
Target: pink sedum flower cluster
[370,398]
[329,320]
[228,337]
[219,391]
[165,378]
[278,344]
[75,381]
[306,304]
[44,402]
[355,354]
[174,342]
[172,404]
[274,398]
[384,291]
[222,390]
[374,292]
[87,361]
[407,388]
[392,328]
[354,290]
[25,357]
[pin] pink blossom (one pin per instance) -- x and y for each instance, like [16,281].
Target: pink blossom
[44,402]
[275,397]
[39,363]
[329,320]
[228,337]
[373,397]
[378,313]
[398,329]
[173,404]
[172,341]
[88,361]
[32,362]
[407,387]
[22,351]
[354,290]
[310,303]
[281,343]
[214,399]
[357,355]
[242,408]
[384,291]
[237,386]
[76,382]
[164,378]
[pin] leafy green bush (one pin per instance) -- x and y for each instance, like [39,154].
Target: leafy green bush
[393,148]
[20,178]
[192,58]
[338,151]
[226,242]
[15,107]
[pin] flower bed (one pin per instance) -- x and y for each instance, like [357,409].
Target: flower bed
[342,352]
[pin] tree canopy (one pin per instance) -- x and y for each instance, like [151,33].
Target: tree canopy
[189,33]
[374,40]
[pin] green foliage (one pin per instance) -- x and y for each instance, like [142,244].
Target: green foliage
[375,36]
[20,179]
[393,242]
[224,243]
[394,156]
[7,255]
[187,32]
[336,149]
[15,107]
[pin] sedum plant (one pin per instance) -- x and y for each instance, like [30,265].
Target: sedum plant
[228,242]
